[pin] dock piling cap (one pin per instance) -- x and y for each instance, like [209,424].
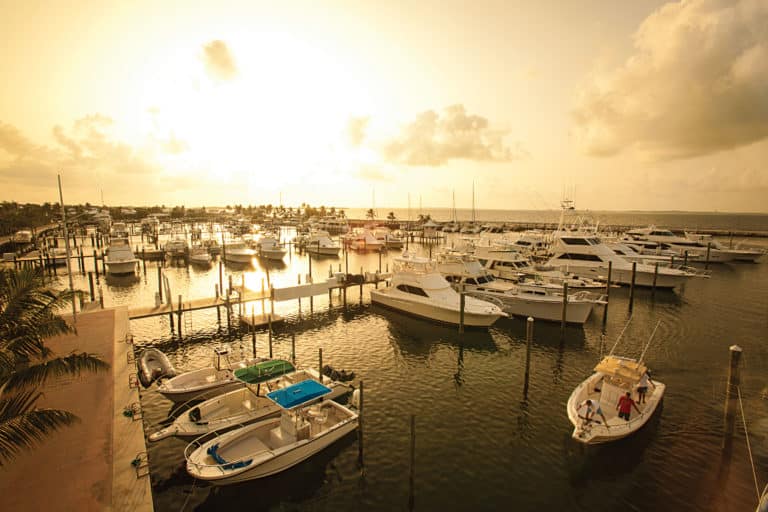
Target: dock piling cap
[734,348]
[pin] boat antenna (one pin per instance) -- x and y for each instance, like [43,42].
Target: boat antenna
[649,340]
[620,335]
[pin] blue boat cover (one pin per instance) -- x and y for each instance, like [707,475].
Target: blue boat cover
[298,394]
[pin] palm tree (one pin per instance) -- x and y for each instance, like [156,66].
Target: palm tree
[370,214]
[28,315]
[391,217]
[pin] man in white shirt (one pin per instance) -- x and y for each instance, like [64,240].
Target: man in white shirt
[590,408]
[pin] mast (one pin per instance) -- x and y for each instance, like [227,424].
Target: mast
[66,244]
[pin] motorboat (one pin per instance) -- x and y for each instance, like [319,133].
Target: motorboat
[613,377]
[320,243]
[391,239]
[542,301]
[199,255]
[22,236]
[584,254]
[705,248]
[333,225]
[206,382]
[268,247]
[120,258]
[417,288]
[739,253]
[513,265]
[119,230]
[176,247]
[307,424]
[247,404]
[154,364]
[238,252]
[363,239]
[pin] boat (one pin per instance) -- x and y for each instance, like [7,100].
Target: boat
[542,301]
[59,256]
[206,382]
[119,230]
[176,247]
[705,248]
[738,253]
[238,252]
[120,258]
[319,243]
[199,255]
[153,365]
[417,288]
[307,424]
[22,236]
[613,377]
[391,239]
[268,247]
[247,404]
[363,239]
[584,254]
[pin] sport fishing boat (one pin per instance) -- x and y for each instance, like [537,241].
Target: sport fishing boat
[206,382]
[698,245]
[120,258]
[307,424]
[199,255]
[319,243]
[417,288]
[269,248]
[613,377]
[247,404]
[238,252]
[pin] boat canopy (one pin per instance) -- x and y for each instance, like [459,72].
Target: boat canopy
[263,371]
[623,372]
[298,394]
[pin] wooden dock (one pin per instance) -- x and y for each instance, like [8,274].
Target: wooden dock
[238,297]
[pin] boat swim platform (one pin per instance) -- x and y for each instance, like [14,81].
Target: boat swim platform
[100,462]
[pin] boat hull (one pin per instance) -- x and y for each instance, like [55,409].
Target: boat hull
[117,268]
[430,312]
[624,276]
[202,392]
[552,311]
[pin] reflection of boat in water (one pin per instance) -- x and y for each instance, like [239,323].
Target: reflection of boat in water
[307,425]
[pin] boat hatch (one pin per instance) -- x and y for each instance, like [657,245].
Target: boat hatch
[263,371]
[298,394]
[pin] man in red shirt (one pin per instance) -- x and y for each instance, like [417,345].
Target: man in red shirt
[625,406]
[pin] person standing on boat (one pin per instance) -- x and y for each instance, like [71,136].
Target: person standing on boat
[625,406]
[642,387]
[591,407]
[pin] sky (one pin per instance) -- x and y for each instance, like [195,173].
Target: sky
[641,105]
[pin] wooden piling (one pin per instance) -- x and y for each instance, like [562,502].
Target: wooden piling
[607,293]
[462,306]
[269,333]
[95,264]
[320,363]
[293,349]
[709,248]
[685,258]
[159,283]
[221,275]
[179,318]
[360,422]
[655,278]
[90,286]
[528,343]
[253,331]
[632,287]
[564,318]
[731,395]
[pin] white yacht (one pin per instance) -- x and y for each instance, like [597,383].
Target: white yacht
[176,246]
[584,254]
[391,240]
[199,255]
[418,289]
[22,236]
[120,258]
[119,230]
[541,301]
[698,246]
[269,248]
[238,252]
[363,239]
[320,243]
[307,424]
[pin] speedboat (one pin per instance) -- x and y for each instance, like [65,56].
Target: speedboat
[269,248]
[247,404]
[391,240]
[307,424]
[542,301]
[238,252]
[699,245]
[206,382]
[614,376]
[417,288]
[22,236]
[363,239]
[120,258]
[176,246]
[320,243]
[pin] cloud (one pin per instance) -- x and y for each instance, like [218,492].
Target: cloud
[695,85]
[356,130]
[374,173]
[433,139]
[219,62]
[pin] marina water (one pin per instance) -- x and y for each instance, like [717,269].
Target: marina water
[481,444]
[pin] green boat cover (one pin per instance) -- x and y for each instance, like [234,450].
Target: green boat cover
[264,371]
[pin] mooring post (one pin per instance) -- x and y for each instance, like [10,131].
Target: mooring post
[379,261]
[269,332]
[709,248]
[309,260]
[607,293]
[731,395]
[95,265]
[90,286]
[655,278]
[103,263]
[685,259]
[528,343]
[221,276]
[360,414]
[320,363]
[564,318]
[462,305]
[216,291]
[412,472]
[229,313]
[293,348]
[179,319]
[253,331]
[632,287]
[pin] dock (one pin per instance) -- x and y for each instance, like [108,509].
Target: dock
[99,463]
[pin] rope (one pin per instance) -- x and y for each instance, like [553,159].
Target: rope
[191,492]
[749,448]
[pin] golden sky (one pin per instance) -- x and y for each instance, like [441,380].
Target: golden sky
[638,105]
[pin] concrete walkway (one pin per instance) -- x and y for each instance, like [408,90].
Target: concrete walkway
[86,466]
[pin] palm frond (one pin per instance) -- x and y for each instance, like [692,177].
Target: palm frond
[30,428]
[18,404]
[72,365]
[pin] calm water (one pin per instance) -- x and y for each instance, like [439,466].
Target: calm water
[481,444]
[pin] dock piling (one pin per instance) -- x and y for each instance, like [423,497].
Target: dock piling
[528,342]
[731,396]
[320,363]
[655,278]
[563,320]
[360,422]
[269,333]
[90,286]
[607,294]
[462,306]
[293,348]
[632,287]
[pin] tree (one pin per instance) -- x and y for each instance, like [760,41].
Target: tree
[391,217]
[370,214]
[27,317]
